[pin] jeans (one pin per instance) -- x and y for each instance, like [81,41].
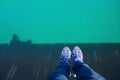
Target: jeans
[82,70]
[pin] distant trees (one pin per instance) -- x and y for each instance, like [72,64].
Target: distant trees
[15,39]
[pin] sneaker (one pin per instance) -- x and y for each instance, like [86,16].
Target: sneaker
[65,55]
[77,54]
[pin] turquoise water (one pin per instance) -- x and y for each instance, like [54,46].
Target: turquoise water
[60,21]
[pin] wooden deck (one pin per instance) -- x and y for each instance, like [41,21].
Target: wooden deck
[25,61]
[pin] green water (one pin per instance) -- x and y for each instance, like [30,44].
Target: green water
[60,21]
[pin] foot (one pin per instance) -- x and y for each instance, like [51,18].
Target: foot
[65,55]
[77,54]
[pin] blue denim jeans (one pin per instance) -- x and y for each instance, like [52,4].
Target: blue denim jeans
[82,70]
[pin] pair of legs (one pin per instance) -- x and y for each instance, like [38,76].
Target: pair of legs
[82,70]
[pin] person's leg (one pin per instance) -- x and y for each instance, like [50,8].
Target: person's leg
[63,70]
[82,70]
